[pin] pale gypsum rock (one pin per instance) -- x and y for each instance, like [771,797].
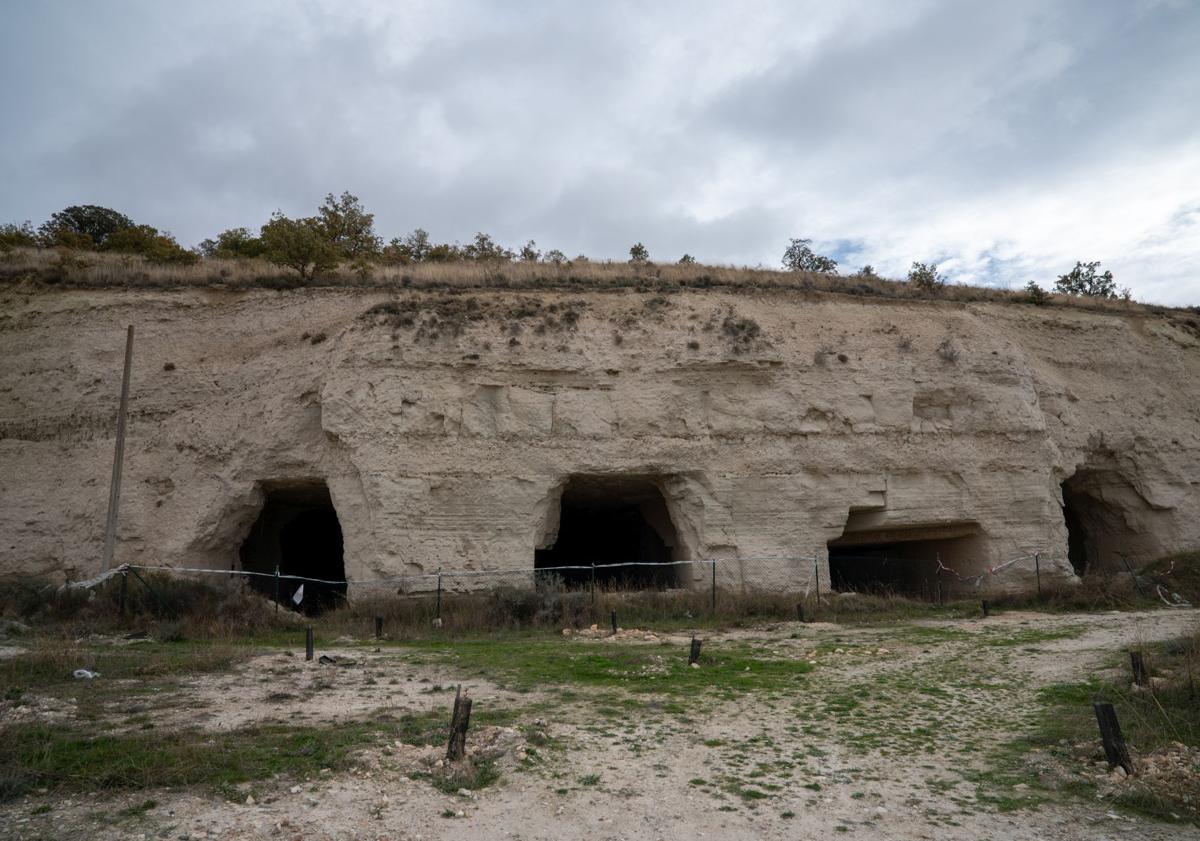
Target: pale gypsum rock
[760,457]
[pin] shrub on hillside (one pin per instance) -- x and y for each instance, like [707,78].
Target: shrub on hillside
[413,248]
[799,257]
[156,246]
[1036,295]
[85,225]
[348,227]
[484,248]
[232,244]
[529,252]
[298,244]
[13,235]
[925,276]
[1084,280]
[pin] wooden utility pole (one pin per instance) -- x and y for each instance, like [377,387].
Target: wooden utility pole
[114,491]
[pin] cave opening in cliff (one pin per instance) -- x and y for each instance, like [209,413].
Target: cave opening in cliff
[618,523]
[298,531]
[911,560]
[1094,505]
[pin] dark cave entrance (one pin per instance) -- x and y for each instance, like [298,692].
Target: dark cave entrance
[1079,543]
[298,531]
[903,561]
[1097,534]
[612,522]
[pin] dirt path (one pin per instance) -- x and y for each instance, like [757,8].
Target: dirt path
[892,735]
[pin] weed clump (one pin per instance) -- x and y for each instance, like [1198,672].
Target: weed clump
[170,607]
[451,314]
[743,333]
[948,351]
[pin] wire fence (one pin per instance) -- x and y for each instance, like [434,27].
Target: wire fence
[793,575]
[801,576]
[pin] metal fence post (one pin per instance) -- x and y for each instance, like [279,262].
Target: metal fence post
[276,588]
[439,595]
[1037,571]
[817,578]
[593,583]
[714,587]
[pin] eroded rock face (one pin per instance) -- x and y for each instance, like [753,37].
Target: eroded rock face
[445,426]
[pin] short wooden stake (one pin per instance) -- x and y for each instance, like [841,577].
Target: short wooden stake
[456,748]
[1141,676]
[694,654]
[985,609]
[378,627]
[308,643]
[799,612]
[941,596]
[614,621]
[1115,749]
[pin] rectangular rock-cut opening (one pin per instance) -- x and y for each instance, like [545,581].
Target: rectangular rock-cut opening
[908,560]
[621,525]
[298,531]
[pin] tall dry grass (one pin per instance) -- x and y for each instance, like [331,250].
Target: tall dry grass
[180,607]
[95,270]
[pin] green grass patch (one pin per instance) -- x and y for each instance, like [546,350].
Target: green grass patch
[1066,730]
[533,664]
[64,759]
[49,665]
[1004,637]
[472,775]
[67,759]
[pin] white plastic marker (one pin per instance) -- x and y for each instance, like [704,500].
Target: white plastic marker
[299,596]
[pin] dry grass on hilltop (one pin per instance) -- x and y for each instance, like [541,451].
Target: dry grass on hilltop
[95,270]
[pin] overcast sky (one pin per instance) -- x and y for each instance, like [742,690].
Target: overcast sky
[1004,140]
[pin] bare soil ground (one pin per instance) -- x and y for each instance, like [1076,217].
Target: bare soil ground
[904,730]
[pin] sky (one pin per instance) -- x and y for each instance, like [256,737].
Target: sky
[1003,141]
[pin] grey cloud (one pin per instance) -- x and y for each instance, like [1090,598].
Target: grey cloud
[887,132]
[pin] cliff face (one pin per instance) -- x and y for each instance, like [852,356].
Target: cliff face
[452,429]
